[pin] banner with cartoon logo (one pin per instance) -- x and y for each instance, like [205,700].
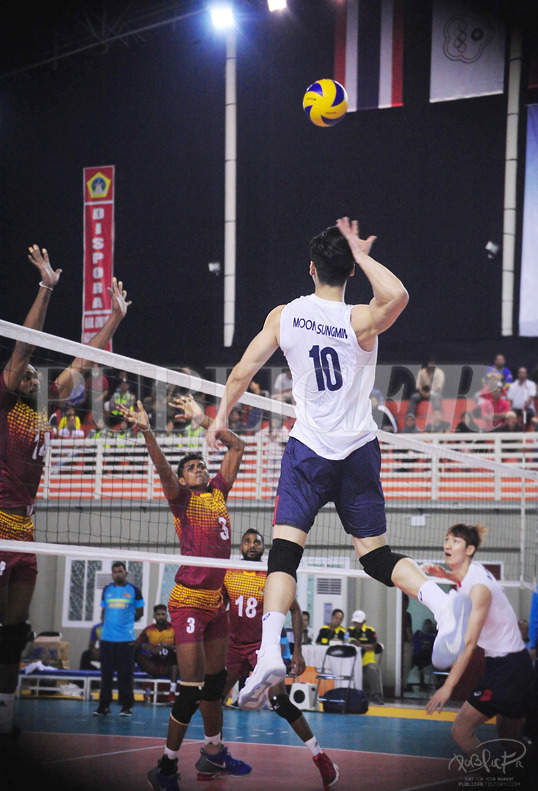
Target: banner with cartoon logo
[98,249]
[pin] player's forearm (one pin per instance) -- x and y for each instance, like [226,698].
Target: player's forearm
[165,472]
[387,288]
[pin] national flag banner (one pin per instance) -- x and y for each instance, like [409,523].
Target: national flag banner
[468,52]
[98,249]
[368,58]
[528,314]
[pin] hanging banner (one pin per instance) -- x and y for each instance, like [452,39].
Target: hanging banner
[528,312]
[467,52]
[98,249]
[368,53]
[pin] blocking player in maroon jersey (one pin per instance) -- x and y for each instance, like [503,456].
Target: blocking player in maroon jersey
[24,437]
[244,589]
[196,605]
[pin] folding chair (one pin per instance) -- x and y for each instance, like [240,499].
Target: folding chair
[338,665]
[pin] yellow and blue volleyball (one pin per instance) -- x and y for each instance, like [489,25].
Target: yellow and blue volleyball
[325,102]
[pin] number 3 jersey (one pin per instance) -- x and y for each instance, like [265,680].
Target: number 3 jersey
[203,527]
[245,591]
[332,376]
[24,436]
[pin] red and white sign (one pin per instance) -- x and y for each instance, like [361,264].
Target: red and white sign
[98,249]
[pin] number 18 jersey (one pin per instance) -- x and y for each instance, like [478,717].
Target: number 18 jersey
[332,376]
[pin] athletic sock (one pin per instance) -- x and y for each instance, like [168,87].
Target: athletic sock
[313,746]
[7,711]
[215,740]
[170,755]
[431,595]
[273,623]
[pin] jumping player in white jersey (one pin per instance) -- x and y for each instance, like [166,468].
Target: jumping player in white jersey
[504,688]
[333,453]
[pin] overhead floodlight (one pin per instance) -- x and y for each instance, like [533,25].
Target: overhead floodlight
[222,16]
[277,5]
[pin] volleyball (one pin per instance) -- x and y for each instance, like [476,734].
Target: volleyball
[325,102]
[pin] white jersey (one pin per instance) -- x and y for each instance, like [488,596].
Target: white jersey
[332,376]
[500,633]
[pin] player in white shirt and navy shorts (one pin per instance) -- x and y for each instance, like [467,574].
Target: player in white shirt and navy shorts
[504,688]
[333,453]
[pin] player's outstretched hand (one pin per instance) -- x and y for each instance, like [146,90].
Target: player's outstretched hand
[434,570]
[187,408]
[438,700]
[350,231]
[138,419]
[119,298]
[40,259]
[214,431]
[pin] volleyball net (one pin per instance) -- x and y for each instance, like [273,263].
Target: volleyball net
[100,496]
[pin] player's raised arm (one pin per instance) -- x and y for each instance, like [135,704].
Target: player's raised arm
[168,477]
[260,349]
[390,295]
[189,408]
[18,363]
[72,376]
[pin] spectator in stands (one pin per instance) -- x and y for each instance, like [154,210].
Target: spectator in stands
[521,395]
[122,395]
[364,636]
[423,640]
[438,424]
[467,424]
[235,421]
[510,423]
[493,405]
[96,389]
[282,388]
[333,630]
[69,410]
[499,368]
[382,415]
[155,650]
[429,386]
[70,430]
[99,429]
[410,425]
[254,417]
[308,634]
[90,659]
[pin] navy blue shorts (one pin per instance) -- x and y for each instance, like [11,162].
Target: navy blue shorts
[505,686]
[308,482]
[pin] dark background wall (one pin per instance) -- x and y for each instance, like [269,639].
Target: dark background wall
[427,179]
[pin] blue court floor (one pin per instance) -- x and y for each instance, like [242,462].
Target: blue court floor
[392,748]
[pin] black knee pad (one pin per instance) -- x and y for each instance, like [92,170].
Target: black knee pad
[379,564]
[214,685]
[187,701]
[284,556]
[285,708]
[13,639]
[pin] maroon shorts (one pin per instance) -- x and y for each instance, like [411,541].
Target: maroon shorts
[241,659]
[198,625]
[17,567]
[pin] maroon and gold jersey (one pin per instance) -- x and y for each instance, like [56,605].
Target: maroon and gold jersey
[203,527]
[154,636]
[24,437]
[245,591]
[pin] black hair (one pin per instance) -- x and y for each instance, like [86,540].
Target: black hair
[250,531]
[332,257]
[473,535]
[119,563]
[159,607]
[186,458]
[337,609]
